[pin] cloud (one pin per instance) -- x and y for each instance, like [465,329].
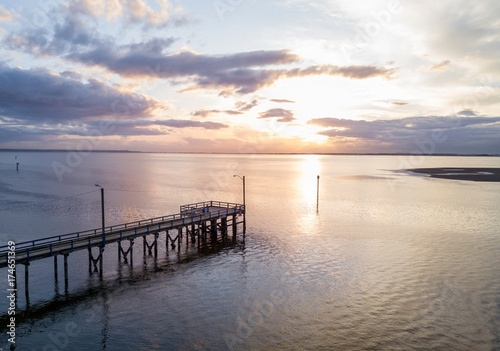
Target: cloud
[468,113]
[19,131]
[441,67]
[205,113]
[131,11]
[282,114]
[5,15]
[399,103]
[240,73]
[433,134]
[244,106]
[247,80]
[41,95]
[282,101]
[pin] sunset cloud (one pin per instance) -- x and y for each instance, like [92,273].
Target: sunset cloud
[432,134]
[237,73]
[441,67]
[43,95]
[205,113]
[281,114]
[67,65]
[282,101]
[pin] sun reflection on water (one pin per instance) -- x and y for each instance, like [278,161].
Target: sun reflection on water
[307,182]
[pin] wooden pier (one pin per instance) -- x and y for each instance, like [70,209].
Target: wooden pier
[200,222]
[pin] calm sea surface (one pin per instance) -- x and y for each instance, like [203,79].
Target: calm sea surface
[391,261]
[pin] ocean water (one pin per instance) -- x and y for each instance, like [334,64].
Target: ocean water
[386,260]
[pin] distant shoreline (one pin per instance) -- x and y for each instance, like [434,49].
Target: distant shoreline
[252,153]
[472,174]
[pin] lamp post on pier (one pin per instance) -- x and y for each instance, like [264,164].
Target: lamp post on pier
[102,215]
[244,203]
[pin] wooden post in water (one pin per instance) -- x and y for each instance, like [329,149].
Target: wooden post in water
[55,268]
[156,244]
[101,258]
[131,248]
[26,282]
[90,258]
[317,196]
[223,229]
[235,228]
[179,241]
[66,272]
[213,231]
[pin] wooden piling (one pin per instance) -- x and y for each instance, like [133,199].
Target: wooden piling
[101,259]
[26,282]
[213,231]
[55,269]
[198,226]
[66,271]
[90,259]
[317,196]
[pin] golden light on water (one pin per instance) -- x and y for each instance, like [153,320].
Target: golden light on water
[310,169]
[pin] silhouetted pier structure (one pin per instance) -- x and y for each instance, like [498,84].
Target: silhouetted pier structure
[200,222]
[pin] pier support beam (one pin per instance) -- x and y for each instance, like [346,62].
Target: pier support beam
[55,269]
[213,231]
[94,261]
[154,245]
[204,232]
[130,251]
[235,228]
[27,282]
[66,272]
[223,229]
[101,259]
[193,234]
[179,240]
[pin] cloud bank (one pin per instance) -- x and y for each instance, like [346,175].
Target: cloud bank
[41,95]
[439,134]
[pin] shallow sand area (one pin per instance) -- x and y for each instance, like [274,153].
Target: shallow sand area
[474,174]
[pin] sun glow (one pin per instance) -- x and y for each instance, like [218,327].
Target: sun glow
[310,169]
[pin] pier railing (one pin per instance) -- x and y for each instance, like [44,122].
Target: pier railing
[194,222]
[186,215]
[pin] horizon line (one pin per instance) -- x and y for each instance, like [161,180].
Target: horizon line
[260,153]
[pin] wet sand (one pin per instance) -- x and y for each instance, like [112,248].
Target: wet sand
[474,174]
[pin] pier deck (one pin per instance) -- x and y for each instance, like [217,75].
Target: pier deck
[197,214]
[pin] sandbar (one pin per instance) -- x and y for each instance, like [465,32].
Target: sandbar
[457,173]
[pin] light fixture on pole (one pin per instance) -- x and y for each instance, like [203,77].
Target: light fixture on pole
[244,203]
[102,215]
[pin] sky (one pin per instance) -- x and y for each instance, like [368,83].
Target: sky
[251,76]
